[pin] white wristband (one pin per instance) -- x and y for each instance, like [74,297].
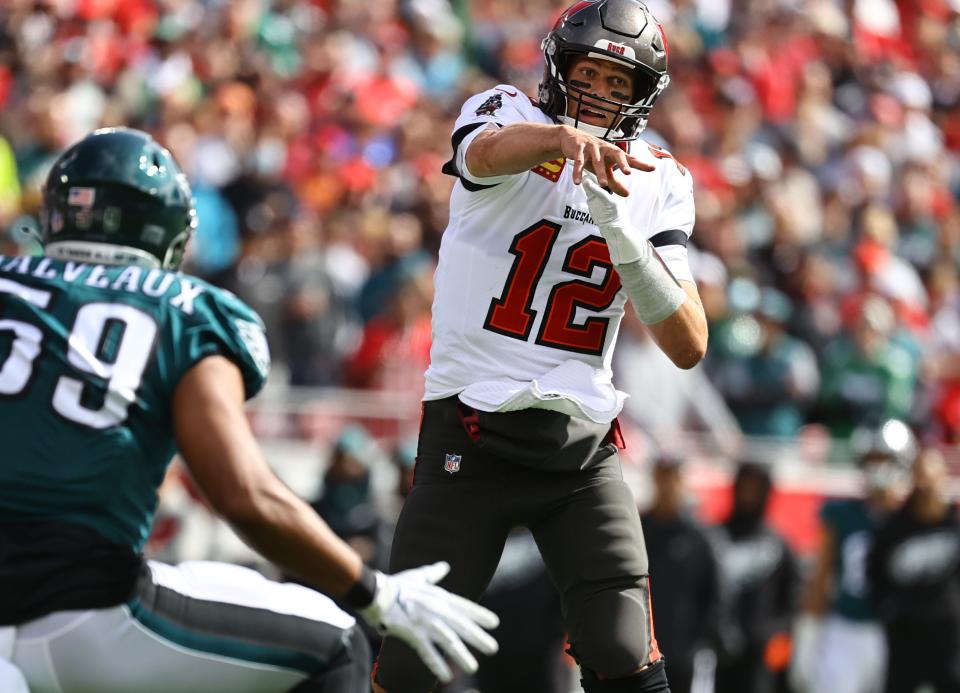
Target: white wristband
[626,247]
[653,290]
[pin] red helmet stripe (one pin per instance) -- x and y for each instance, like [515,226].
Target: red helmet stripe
[572,10]
[663,37]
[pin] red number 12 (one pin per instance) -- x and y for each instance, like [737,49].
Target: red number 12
[512,314]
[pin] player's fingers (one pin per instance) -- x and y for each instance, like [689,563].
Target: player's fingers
[597,165]
[468,631]
[621,163]
[435,572]
[615,185]
[453,647]
[480,615]
[638,164]
[578,164]
[453,606]
[431,658]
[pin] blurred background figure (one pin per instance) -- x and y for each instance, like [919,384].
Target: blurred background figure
[869,374]
[394,347]
[759,590]
[768,377]
[346,501]
[686,400]
[839,621]
[684,580]
[405,460]
[914,570]
[404,467]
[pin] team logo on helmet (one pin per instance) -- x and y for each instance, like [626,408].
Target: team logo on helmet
[452,463]
[490,106]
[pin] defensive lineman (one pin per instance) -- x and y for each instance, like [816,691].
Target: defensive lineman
[109,359]
[536,266]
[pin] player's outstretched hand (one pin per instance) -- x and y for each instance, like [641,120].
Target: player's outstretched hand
[592,154]
[410,606]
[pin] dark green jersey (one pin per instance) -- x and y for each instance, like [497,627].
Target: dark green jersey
[90,356]
[853,527]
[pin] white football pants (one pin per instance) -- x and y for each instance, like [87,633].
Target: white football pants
[198,626]
[852,657]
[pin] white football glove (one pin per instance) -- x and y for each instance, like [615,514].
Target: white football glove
[653,290]
[609,211]
[410,606]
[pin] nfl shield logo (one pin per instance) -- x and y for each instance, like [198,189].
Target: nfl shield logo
[452,463]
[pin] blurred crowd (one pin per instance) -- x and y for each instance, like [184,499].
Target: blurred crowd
[822,136]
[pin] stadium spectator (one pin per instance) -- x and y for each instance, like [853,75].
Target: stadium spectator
[767,376]
[405,460]
[394,347]
[942,353]
[867,374]
[686,399]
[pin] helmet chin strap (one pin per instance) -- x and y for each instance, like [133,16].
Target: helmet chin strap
[611,135]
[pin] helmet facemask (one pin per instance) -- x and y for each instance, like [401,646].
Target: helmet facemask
[629,119]
[620,31]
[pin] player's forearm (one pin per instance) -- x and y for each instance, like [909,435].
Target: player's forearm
[513,149]
[815,600]
[817,595]
[682,336]
[216,442]
[285,530]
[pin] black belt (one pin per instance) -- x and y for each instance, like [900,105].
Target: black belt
[50,566]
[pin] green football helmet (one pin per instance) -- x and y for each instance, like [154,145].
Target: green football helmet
[117,197]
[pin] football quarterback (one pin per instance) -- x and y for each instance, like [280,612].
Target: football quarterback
[560,216]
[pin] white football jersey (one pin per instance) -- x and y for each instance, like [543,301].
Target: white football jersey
[527,304]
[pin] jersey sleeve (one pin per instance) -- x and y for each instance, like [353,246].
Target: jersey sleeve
[224,325]
[672,227]
[493,108]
